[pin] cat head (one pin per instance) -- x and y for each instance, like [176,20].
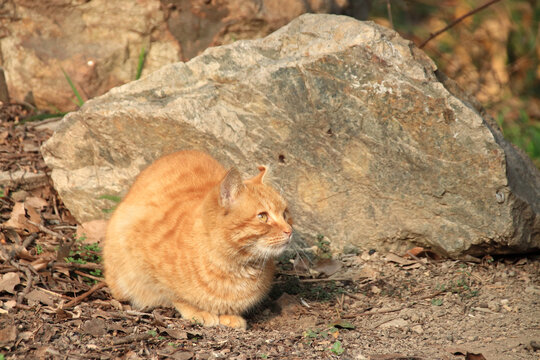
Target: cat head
[255,217]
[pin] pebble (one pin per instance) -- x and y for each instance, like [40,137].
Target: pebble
[494,306]
[394,323]
[535,290]
[417,329]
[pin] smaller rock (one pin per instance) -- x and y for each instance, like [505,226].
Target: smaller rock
[10,304]
[351,249]
[418,329]
[397,323]
[494,306]
[532,289]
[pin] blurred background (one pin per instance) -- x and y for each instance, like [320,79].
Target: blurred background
[493,55]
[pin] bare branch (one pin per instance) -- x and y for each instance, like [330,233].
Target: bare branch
[457,21]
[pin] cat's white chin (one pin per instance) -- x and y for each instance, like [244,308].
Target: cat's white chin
[266,251]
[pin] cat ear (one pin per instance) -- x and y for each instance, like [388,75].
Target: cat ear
[258,179]
[231,186]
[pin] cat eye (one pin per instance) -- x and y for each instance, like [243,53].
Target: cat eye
[263,217]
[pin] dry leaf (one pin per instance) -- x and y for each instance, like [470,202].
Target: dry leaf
[182,355]
[3,136]
[9,281]
[36,202]
[36,296]
[368,272]
[327,267]
[416,251]
[398,259]
[342,324]
[40,263]
[92,231]
[471,356]
[421,252]
[95,327]
[301,264]
[8,335]
[175,334]
[18,220]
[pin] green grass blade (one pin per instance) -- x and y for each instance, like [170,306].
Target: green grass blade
[140,65]
[80,100]
[114,198]
[43,116]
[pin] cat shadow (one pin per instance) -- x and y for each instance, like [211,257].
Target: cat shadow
[288,304]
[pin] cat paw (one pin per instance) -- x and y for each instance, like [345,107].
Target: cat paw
[204,318]
[233,321]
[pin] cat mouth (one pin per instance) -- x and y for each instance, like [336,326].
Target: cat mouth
[279,246]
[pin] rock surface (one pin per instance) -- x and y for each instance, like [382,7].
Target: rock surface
[370,144]
[98,42]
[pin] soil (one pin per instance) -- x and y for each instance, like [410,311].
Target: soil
[360,305]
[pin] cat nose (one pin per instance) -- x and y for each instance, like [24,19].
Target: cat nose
[288,232]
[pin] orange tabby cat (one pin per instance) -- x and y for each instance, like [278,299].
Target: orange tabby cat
[192,235]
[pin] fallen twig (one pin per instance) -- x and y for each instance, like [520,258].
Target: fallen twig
[353,296]
[89,266]
[88,275]
[80,298]
[48,231]
[381,311]
[131,338]
[457,21]
[417,259]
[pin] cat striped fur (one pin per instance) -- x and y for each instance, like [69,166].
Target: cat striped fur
[192,235]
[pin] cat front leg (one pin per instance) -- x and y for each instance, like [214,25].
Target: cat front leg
[192,313]
[233,321]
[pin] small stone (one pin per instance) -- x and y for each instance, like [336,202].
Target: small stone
[450,337]
[351,249]
[397,323]
[10,304]
[535,290]
[417,329]
[494,306]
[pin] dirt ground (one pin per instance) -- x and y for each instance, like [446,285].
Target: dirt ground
[360,305]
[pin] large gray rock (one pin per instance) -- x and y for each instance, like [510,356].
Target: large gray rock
[367,141]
